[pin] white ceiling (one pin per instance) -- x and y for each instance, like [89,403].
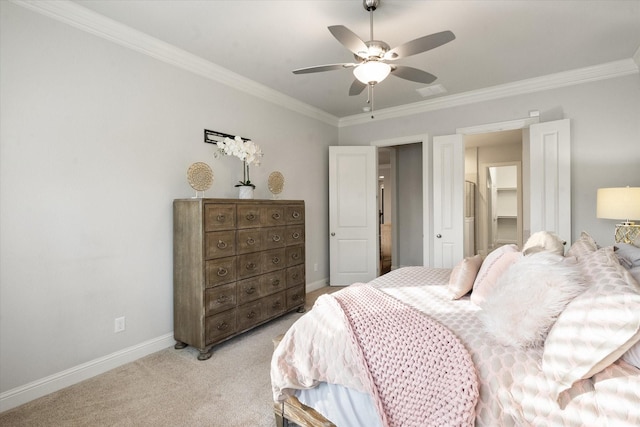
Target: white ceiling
[497,42]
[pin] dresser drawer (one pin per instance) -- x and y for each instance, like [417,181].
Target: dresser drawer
[219,244]
[249,265]
[250,289]
[248,216]
[250,240]
[219,217]
[273,282]
[295,296]
[220,298]
[295,214]
[249,315]
[274,237]
[220,326]
[274,305]
[219,271]
[273,215]
[294,234]
[295,275]
[295,255]
[273,260]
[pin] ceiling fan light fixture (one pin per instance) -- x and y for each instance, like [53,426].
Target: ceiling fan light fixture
[372,72]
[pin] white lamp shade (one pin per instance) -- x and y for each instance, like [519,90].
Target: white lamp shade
[618,203]
[372,72]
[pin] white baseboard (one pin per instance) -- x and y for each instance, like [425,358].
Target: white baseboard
[28,392]
[317,285]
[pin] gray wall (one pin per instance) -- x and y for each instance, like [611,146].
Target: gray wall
[96,140]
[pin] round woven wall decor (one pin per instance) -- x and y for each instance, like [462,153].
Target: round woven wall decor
[200,176]
[276,182]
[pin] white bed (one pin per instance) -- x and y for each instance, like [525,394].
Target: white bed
[576,380]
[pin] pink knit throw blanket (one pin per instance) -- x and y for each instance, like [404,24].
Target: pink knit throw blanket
[421,374]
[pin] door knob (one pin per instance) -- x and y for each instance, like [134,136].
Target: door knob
[333,234]
[439,236]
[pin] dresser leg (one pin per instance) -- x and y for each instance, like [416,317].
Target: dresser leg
[179,345]
[205,354]
[301,309]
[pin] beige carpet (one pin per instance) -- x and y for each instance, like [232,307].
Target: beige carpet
[172,388]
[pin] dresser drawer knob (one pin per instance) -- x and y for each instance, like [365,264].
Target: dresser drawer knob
[222,299]
[250,290]
[222,326]
[222,271]
[251,241]
[295,297]
[222,244]
[275,215]
[296,235]
[250,216]
[275,282]
[276,238]
[295,275]
[251,315]
[276,304]
[295,215]
[275,260]
[251,266]
[295,255]
[221,217]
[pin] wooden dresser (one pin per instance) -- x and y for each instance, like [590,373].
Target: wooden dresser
[236,264]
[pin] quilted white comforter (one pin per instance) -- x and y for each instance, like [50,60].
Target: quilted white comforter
[513,390]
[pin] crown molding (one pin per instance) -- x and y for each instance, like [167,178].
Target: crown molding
[84,19]
[608,70]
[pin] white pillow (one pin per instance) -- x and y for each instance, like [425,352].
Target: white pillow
[597,327]
[493,266]
[463,275]
[528,298]
[543,241]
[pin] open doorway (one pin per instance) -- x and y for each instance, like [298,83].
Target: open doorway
[497,196]
[503,182]
[400,201]
[385,203]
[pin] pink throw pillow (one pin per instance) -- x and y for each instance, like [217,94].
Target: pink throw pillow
[493,266]
[463,275]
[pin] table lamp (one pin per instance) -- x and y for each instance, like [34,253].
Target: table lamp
[621,203]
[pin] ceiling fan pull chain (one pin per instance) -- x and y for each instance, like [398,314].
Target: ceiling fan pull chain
[371,99]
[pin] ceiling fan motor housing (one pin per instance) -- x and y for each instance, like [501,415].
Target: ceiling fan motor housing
[376,50]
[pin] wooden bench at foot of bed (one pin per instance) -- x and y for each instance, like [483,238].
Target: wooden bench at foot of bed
[291,410]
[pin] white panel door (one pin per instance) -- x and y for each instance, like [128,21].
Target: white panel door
[448,200]
[550,178]
[353,214]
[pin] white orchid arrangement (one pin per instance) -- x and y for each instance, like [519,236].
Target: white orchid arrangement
[246,150]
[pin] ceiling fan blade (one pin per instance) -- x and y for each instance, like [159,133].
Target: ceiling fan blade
[320,68]
[413,74]
[420,45]
[350,40]
[356,87]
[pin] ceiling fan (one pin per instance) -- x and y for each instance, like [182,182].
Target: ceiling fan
[372,57]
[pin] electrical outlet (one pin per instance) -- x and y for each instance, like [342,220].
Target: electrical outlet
[119,325]
[315,267]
